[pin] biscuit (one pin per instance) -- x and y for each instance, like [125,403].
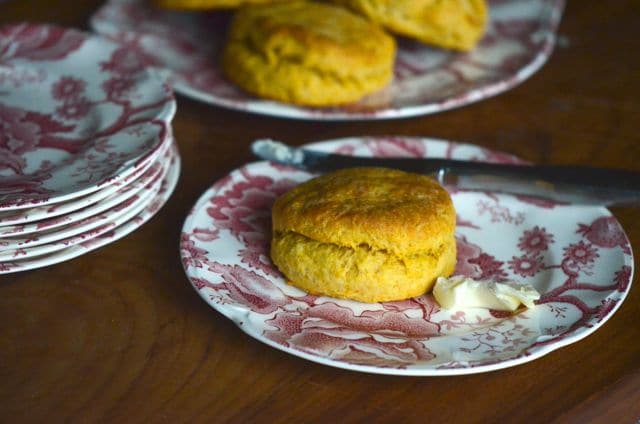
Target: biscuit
[308,54]
[368,234]
[453,24]
[206,4]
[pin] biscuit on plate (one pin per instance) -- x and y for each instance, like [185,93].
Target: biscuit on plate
[308,54]
[206,4]
[368,234]
[453,24]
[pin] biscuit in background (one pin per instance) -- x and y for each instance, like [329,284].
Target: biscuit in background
[453,24]
[367,234]
[206,4]
[307,53]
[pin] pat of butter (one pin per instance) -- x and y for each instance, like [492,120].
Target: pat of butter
[462,292]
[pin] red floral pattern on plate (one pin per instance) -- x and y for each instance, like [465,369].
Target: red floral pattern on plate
[121,194]
[519,39]
[87,229]
[54,43]
[224,249]
[70,122]
[108,233]
[22,217]
[47,240]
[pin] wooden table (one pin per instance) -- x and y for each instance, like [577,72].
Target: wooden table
[120,335]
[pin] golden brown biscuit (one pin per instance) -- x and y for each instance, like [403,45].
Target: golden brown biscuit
[368,234]
[454,24]
[307,53]
[206,4]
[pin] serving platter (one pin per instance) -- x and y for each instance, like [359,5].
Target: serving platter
[520,37]
[577,257]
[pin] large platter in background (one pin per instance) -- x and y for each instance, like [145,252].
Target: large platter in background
[519,39]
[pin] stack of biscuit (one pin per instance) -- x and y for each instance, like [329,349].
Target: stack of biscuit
[320,54]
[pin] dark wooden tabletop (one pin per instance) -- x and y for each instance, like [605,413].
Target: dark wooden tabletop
[120,335]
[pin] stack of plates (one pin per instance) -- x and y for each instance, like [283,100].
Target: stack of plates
[87,153]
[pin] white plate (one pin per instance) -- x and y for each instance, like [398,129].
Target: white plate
[118,197]
[90,228]
[519,39]
[48,241]
[22,217]
[156,203]
[578,257]
[76,114]
[18,244]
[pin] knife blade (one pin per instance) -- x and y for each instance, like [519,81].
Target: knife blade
[563,184]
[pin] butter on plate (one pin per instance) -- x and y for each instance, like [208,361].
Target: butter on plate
[461,292]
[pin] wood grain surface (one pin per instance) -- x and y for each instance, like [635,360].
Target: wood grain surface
[119,335]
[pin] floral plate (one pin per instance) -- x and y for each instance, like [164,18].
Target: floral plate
[93,240]
[18,219]
[75,114]
[121,195]
[27,245]
[85,229]
[578,257]
[519,39]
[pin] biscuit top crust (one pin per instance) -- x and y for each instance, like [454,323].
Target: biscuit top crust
[319,36]
[383,209]
[205,4]
[456,24]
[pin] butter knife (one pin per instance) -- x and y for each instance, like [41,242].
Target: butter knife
[562,184]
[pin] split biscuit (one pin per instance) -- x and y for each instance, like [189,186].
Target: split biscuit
[368,234]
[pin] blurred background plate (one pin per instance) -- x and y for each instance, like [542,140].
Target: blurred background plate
[519,39]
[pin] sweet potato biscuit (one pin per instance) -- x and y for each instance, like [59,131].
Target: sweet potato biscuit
[206,4]
[307,53]
[368,234]
[454,24]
